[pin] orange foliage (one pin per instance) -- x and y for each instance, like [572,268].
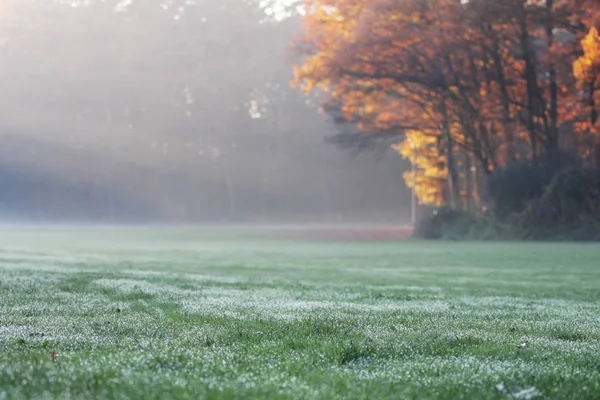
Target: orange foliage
[489,80]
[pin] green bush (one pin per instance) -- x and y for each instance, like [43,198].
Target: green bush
[448,224]
[511,188]
[568,209]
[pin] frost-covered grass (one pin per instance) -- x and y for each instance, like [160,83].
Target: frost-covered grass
[192,314]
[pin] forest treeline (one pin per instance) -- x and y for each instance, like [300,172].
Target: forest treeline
[494,102]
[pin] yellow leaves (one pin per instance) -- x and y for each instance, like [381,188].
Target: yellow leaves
[306,84]
[427,178]
[369,108]
[428,190]
[314,73]
[586,70]
[591,43]
[587,67]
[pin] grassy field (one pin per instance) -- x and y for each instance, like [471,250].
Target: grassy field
[161,314]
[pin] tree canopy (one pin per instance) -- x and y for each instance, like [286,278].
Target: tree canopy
[466,86]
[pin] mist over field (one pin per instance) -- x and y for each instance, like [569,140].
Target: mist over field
[172,112]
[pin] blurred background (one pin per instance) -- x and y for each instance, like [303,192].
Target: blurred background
[129,111]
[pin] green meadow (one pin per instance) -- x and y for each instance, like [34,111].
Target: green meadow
[244,314]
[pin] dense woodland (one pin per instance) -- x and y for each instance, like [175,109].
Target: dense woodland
[495,102]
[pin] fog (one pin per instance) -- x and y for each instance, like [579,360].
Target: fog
[180,111]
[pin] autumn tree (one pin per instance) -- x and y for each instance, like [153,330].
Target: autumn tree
[466,86]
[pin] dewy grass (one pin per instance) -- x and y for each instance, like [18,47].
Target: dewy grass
[133,314]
